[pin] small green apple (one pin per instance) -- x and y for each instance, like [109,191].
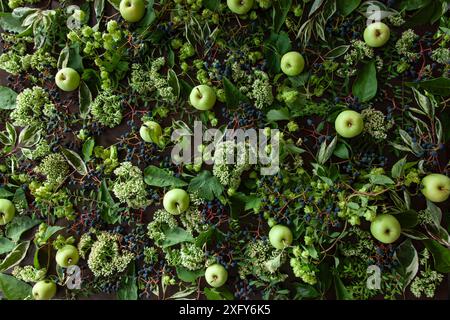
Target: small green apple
[132,10]
[349,124]
[7,211]
[216,275]
[292,63]
[176,201]
[280,236]
[376,34]
[67,256]
[67,79]
[385,228]
[44,290]
[436,187]
[240,6]
[151,131]
[202,97]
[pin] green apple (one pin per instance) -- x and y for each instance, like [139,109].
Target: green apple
[376,34]
[67,256]
[292,63]
[7,211]
[385,228]
[436,187]
[132,10]
[349,124]
[280,236]
[67,79]
[216,275]
[176,201]
[240,6]
[202,97]
[44,290]
[151,131]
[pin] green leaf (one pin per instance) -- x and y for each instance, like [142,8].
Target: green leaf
[380,179]
[341,151]
[109,209]
[158,177]
[115,4]
[341,291]
[85,99]
[398,169]
[173,82]
[88,148]
[7,98]
[128,289]
[441,255]
[6,245]
[408,219]
[346,7]
[275,46]
[175,236]
[365,86]
[408,258]
[213,5]
[337,52]
[149,17]
[278,114]
[252,202]
[50,231]
[207,185]
[188,275]
[14,289]
[232,94]
[304,290]
[75,60]
[15,256]
[5,193]
[221,293]
[410,5]
[11,23]
[75,161]
[280,11]
[326,151]
[438,86]
[19,225]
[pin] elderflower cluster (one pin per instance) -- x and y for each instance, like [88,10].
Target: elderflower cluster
[191,220]
[192,257]
[29,273]
[428,280]
[259,260]
[162,220]
[106,258]
[375,123]
[261,90]
[441,55]
[33,108]
[147,82]
[405,44]
[359,51]
[85,244]
[107,109]
[129,186]
[54,167]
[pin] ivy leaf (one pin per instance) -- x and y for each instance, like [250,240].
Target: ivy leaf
[232,94]
[207,185]
[6,245]
[346,7]
[88,148]
[15,256]
[188,275]
[365,86]
[7,98]
[14,289]
[441,255]
[75,161]
[280,11]
[18,226]
[158,177]
[175,236]
[128,289]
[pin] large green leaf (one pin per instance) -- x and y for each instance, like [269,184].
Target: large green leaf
[14,289]
[128,289]
[207,185]
[441,255]
[232,94]
[175,236]
[75,161]
[365,86]
[6,245]
[19,225]
[158,177]
[15,256]
[346,7]
[280,11]
[188,275]
[438,86]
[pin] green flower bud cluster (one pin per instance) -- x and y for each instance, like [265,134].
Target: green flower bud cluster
[33,108]
[441,55]
[106,259]
[85,245]
[52,202]
[375,124]
[129,186]
[191,220]
[428,280]
[150,255]
[359,51]
[405,43]
[150,83]
[54,167]
[107,109]
[303,267]
[20,3]
[264,4]
[29,273]
[62,241]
